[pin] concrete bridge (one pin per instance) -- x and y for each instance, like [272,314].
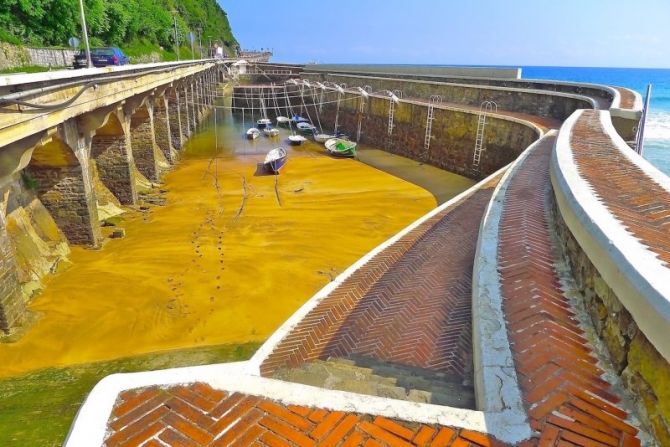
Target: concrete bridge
[532,309]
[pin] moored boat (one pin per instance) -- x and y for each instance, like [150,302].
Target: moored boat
[270,131]
[296,139]
[275,159]
[282,120]
[322,137]
[341,148]
[263,122]
[253,133]
[299,119]
[306,127]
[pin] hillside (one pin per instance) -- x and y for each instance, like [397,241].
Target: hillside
[138,26]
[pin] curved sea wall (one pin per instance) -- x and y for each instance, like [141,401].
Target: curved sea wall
[532,102]
[612,215]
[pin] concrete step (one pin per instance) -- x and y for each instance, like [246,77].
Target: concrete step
[375,378]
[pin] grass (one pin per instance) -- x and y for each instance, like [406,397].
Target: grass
[27,69]
[37,409]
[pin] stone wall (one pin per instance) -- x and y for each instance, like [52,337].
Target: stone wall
[51,57]
[63,193]
[643,370]
[114,166]
[12,305]
[549,105]
[144,149]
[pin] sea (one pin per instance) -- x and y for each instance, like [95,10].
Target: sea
[657,129]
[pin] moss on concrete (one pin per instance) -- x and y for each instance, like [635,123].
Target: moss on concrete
[37,409]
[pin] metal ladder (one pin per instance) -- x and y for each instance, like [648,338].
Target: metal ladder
[391,125]
[486,108]
[434,99]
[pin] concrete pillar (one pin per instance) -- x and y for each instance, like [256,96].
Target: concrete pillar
[162,128]
[12,306]
[112,151]
[194,108]
[175,107]
[143,142]
[63,177]
[187,116]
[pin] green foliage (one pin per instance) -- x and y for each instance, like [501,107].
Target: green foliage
[114,22]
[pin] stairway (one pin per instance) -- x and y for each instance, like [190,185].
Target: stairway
[365,375]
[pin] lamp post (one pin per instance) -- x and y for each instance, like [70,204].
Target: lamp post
[84,31]
[200,40]
[176,34]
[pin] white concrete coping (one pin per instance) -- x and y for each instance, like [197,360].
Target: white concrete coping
[630,269]
[90,426]
[496,383]
[56,75]
[479,86]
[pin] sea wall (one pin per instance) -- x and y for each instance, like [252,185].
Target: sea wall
[604,94]
[477,72]
[541,103]
[612,241]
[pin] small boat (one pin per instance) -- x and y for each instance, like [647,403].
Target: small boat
[322,137]
[341,148]
[299,119]
[282,120]
[296,139]
[275,159]
[306,127]
[263,122]
[253,133]
[270,131]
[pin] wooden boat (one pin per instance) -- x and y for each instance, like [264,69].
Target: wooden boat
[296,139]
[275,159]
[306,127]
[263,122]
[253,133]
[270,131]
[341,148]
[282,120]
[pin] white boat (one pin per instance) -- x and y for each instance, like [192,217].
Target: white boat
[322,137]
[270,131]
[282,120]
[263,122]
[296,139]
[275,159]
[306,127]
[340,147]
[253,133]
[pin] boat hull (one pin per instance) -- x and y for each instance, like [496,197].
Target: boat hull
[275,166]
[341,148]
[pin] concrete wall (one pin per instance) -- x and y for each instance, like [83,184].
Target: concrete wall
[547,104]
[475,72]
[603,94]
[644,370]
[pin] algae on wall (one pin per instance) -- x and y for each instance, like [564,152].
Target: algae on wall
[39,245]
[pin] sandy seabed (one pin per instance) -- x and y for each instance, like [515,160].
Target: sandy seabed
[230,256]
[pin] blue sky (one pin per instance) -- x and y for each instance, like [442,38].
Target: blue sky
[603,33]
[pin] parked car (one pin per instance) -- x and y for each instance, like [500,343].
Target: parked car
[102,57]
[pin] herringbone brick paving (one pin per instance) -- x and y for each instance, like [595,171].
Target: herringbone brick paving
[634,199]
[409,305]
[627,98]
[568,401]
[198,415]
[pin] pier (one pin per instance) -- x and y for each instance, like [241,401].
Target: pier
[531,309]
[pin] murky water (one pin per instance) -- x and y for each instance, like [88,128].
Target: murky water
[232,254]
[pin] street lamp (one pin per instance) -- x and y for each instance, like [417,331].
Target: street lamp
[176,34]
[89,64]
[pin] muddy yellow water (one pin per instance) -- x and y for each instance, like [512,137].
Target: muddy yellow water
[230,256]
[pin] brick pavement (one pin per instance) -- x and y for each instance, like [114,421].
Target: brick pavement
[634,199]
[568,401]
[199,415]
[627,98]
[410,304]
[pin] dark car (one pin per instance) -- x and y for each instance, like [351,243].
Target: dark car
[102,57]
